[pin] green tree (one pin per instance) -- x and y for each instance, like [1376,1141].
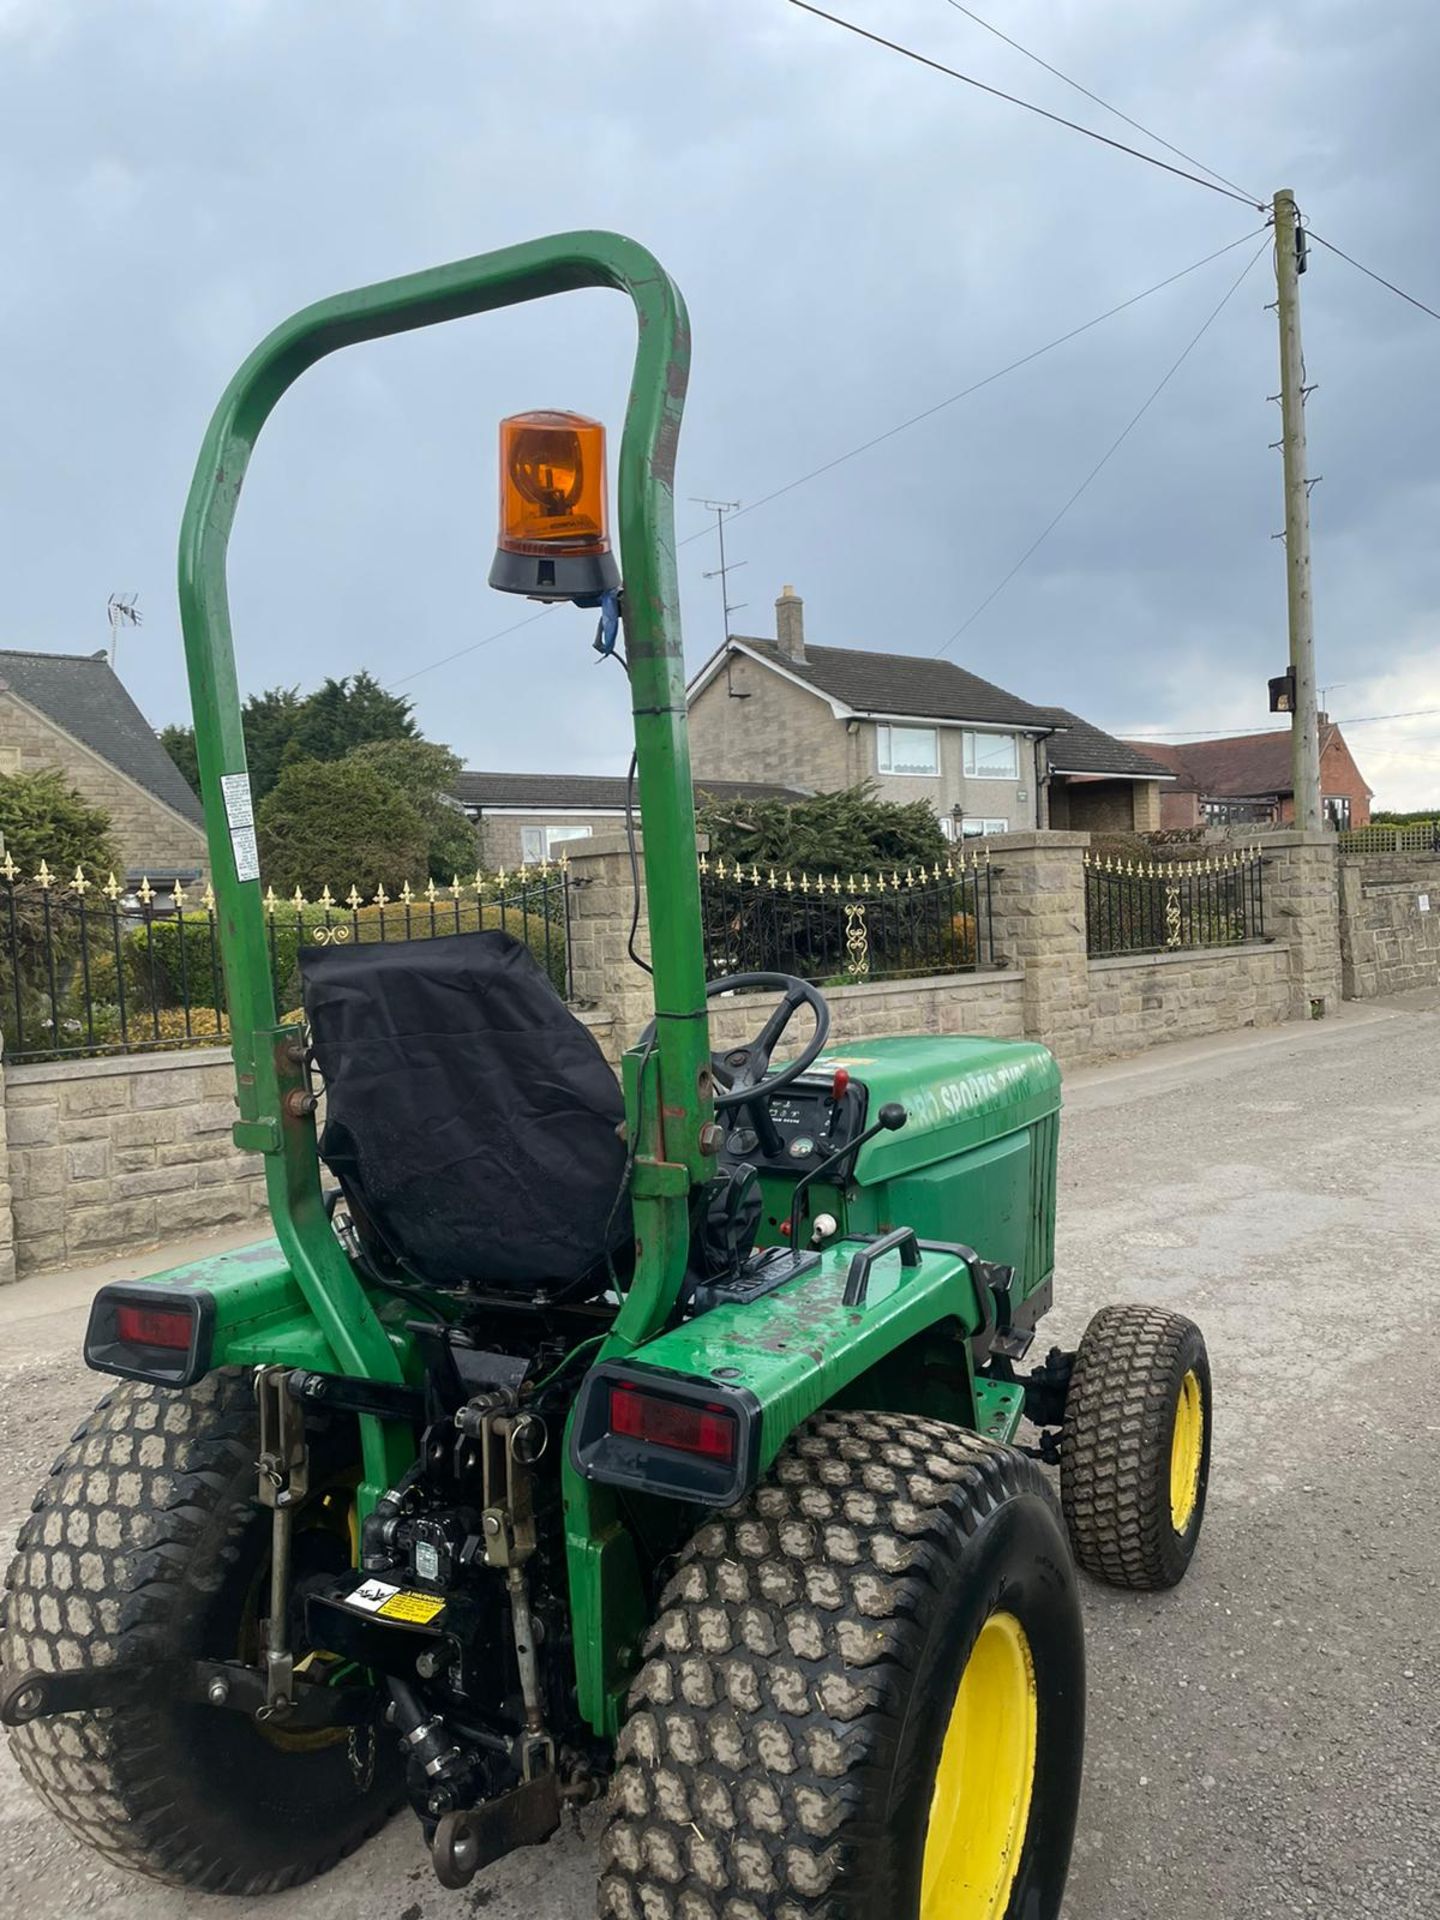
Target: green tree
[339,823]
[426,773]
[852,831]
[179,743]
[347,713]
[42,817]
[270,719]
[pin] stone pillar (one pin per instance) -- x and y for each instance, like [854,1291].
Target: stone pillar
[602,901]
[1145,803]
[1038,892]
[1302,908]
[7,1217]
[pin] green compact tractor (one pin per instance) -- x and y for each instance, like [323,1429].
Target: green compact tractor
[569,1439]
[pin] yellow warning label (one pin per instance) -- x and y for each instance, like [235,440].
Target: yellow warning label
[416,1607]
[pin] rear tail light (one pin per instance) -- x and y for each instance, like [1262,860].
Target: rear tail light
[154,1327]
[710,1431]
[150,1333]
[657,1431]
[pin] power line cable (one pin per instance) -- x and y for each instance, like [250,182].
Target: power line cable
[989,379]
[1148,132]
[1059,120]
[1105,458]
[1161,736]
[865,446]
[1371,274]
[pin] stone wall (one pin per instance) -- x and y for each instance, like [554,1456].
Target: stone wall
[1139,1001]
[751,724]
[105,1155]
[1389,924]
[149,836]
[986,1003]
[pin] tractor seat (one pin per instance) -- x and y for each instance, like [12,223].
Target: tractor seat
[473,1124]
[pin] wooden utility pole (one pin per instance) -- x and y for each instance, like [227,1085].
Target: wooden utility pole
[1304,723]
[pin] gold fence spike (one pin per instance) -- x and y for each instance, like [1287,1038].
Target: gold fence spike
[9,869]
[111,888]
[382,899]
[406,897]
[789,882]
[773,882]
[455,888]
[44,878]
[298,900]
[82,885]
[270,903]
[326,899]
[207,899]
[704,863]
[430,893]
[178,897]
[754,875]
[354,900]
[145,891]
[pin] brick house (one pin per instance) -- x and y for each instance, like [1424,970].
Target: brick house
[68,710]
[1247,779]
[523,818]
[920,728]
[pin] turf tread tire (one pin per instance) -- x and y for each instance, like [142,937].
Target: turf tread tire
[1115,1446]
[754,1772]
[127,1543]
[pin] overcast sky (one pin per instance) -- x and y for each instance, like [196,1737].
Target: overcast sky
[857,238]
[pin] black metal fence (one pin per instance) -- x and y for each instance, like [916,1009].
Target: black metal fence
[1136,906]
[841,930]
[92,967]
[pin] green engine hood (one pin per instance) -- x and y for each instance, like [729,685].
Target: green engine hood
[959,1092]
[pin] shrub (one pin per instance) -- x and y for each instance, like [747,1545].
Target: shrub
[851,831]
[345,818]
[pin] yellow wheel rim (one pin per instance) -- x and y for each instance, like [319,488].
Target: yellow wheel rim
[1187,1450]
[980,1809]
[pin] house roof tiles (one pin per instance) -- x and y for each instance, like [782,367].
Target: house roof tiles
[902,683]
[80,693]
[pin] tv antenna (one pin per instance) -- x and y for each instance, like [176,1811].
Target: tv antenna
[728,606]
[120,611]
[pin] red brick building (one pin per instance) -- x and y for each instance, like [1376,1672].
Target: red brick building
[1247,779]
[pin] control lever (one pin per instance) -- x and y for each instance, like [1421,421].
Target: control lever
[890,1119]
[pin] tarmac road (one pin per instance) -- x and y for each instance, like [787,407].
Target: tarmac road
[1265,1741]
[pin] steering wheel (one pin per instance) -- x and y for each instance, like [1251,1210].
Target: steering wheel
[743,1073]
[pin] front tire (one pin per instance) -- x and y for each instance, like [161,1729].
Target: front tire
[147,1541]
[864,1695]
[1135,1450]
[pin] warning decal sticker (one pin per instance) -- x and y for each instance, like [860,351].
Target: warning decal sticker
[418,1608]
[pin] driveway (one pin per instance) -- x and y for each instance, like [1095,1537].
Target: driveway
[1263,1741]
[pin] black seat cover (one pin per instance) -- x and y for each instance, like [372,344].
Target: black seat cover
[471,1120]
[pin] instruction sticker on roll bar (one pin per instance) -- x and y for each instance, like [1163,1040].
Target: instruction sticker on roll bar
[240,818]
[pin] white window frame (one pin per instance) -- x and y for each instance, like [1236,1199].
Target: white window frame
[1343,810]
[534,852]
[885,756]
[973,827]
[973,769]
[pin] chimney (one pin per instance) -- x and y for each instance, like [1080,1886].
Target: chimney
[790,624]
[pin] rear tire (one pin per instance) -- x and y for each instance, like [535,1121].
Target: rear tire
[1135,1451]
[786,1753]
[148,1539]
